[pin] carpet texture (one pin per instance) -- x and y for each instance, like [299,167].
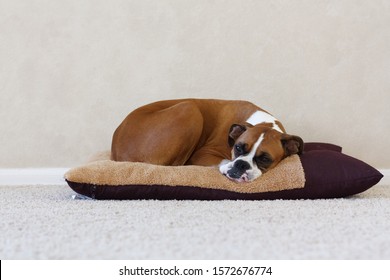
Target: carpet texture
[44,222]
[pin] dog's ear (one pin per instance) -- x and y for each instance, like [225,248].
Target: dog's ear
[235,131]
[292,144]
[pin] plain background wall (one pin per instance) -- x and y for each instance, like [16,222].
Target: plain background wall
[70,71]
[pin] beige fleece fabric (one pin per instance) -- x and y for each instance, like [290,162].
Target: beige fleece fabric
[288,174]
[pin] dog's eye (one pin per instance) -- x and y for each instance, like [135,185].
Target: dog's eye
[238,149]
[263,159]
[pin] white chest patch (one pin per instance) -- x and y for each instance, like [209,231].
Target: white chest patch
[263,117]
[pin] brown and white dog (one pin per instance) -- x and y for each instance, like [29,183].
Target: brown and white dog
[244,140]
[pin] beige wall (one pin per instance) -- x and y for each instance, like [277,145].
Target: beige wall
[70,71]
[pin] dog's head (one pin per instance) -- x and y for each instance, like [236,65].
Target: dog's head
[257,149]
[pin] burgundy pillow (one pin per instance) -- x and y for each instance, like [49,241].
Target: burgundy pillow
[315,146]
[331,174]
[328,173]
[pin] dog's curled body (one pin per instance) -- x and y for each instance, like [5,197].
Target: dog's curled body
[205,132]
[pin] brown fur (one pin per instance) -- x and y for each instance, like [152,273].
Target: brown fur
[186,132]
[179,132]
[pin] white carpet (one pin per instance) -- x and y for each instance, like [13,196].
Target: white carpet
[43,222]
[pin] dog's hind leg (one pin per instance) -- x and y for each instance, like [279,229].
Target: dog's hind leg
[165,136]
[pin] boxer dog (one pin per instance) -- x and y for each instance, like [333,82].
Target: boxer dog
[243,139]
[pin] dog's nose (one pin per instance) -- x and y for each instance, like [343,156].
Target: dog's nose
[241,165]
[238,169]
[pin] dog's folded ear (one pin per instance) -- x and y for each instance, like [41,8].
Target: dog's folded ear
[235,131]
[292,144]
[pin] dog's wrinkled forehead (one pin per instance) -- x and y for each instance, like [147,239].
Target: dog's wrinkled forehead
[252,135]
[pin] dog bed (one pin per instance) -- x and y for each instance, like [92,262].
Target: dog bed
[322,171]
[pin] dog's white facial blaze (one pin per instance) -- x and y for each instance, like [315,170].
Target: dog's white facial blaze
[263,117]
[251,173]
